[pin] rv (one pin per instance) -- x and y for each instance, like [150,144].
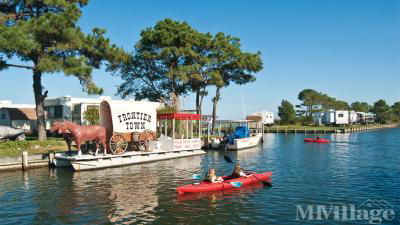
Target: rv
[267,117]
[319,118]
[69,108]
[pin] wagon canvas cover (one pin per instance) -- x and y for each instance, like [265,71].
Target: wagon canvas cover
[128,116]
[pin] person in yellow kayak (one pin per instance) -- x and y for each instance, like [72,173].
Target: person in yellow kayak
[212,177]
[237,172]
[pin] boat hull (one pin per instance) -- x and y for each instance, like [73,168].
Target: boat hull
[243,143]
[90,162]
[316,140]
[207,186]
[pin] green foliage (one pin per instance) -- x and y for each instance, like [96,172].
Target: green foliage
[286,112]
[91,115]
[360,107]
[382,111]
[316,101]
[44,35]
[165,59]
[166,110]
[396,108]
[29,144]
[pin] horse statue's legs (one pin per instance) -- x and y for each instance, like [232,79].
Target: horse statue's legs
[78,145]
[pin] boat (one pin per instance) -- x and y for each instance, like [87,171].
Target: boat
[247,134]
[206,186]
[137,134]
[317,140]
[220,194]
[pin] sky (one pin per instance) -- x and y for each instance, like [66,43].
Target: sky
[348,49]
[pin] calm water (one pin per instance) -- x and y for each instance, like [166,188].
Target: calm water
[354,168]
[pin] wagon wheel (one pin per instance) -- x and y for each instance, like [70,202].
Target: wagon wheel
[144,138]
[118,144]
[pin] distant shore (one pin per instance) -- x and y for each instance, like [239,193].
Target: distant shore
[326,129]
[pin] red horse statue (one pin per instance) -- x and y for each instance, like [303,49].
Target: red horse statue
[56,127]
[81,134]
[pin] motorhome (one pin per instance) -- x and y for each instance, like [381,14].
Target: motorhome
[70,108]
[267,117]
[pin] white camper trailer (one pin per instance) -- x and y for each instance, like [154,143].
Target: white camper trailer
[319,118]
[330,117]
[267,117]
[341,117]
[353,117]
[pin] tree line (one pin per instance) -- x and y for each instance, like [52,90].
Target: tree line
[171,59]
[314,101]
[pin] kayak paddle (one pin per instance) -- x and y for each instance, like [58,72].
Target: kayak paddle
[236,184]
[229,160]
[196,177]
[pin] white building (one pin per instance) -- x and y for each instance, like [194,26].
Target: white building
[23,118]
[267,117]
[70,108]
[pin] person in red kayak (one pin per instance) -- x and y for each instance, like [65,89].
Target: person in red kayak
[237,172]
[317,138]
[212,177]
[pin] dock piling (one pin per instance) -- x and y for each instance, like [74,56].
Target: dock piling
[25,160]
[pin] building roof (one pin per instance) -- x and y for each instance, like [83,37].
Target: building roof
[21,113]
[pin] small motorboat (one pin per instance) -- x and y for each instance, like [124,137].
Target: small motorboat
[205,186]
[317,140]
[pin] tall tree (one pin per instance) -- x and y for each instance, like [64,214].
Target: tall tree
[341,105]
[381,110]
[45,38]
[309,98]
[360,106]
[164,60]
[231,65]
[396,108]
[286,112]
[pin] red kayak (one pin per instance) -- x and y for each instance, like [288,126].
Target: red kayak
[226,184]
[320,140]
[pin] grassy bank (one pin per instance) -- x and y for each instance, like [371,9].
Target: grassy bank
[32,145]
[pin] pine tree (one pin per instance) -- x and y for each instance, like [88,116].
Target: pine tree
[45,38]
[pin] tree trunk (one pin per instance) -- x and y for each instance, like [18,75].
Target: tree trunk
[214,112]
[39,101]
[198,101]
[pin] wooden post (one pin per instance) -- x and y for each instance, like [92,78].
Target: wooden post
[200,127]
[25,160]
[173,128]
[165,127]
[187,128]
[191,129]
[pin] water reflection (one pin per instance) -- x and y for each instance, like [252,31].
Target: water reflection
[351,169]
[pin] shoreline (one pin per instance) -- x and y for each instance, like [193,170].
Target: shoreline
[324,130]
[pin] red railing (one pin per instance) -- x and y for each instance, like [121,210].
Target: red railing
[178,116]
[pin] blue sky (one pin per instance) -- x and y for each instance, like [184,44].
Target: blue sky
[347,49]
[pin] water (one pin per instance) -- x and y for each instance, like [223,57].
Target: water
[350,170]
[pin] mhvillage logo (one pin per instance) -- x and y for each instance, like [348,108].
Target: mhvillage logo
[139,117]
[371,211]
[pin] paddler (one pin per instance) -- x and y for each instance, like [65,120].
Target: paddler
[237,172]
[212,177]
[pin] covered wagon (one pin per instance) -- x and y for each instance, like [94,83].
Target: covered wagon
[129,124]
